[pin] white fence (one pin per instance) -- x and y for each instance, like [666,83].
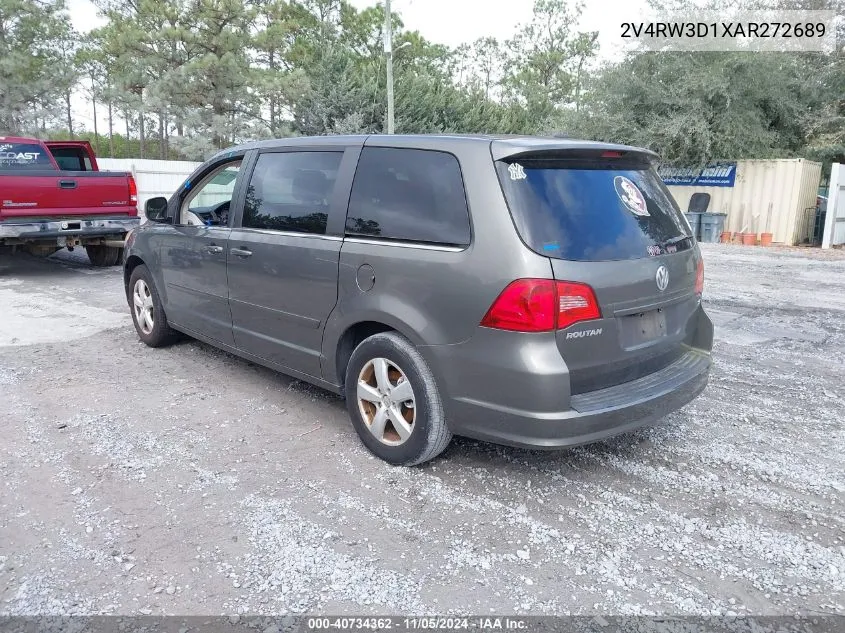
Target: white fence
[153,177]
[834,222]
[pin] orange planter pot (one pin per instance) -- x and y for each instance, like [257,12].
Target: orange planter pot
[749,239]
[765,239]
[725,237]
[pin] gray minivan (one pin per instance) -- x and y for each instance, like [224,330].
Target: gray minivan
[527,291]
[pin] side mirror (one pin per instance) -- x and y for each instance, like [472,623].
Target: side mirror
[156,209]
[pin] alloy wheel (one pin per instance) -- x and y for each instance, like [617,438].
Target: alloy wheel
[386,401]
[142,301]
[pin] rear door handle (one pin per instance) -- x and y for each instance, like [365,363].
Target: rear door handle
[67,184]
[213,249]
[241,252]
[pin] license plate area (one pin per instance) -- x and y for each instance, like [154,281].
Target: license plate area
[639,329]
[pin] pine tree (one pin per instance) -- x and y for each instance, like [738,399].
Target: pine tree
[33,80]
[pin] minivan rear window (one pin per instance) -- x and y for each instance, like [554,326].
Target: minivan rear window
[23,156]
[586,211]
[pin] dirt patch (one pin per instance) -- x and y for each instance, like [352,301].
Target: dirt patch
[180,480]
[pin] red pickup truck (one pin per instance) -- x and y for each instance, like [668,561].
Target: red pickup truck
[52,195]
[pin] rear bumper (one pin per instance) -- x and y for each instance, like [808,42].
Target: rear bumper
[48,230]
[595,415]
[524,401]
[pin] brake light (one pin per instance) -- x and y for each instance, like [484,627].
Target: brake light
[611,154]
[133,190]
[541,305]
[526,305]
[699,277]
[576,302]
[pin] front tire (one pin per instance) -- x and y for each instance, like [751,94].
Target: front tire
[147,312]
[394,402]
[102,256]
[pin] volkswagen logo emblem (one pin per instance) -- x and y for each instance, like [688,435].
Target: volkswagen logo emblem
[662,278]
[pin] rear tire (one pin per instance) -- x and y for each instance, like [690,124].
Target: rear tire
[102,256]
[147,312]
[403,424]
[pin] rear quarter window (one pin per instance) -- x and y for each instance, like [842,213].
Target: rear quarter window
[23,156]
[409,194]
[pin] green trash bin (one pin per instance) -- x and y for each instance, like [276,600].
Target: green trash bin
[711,226]
[694,220]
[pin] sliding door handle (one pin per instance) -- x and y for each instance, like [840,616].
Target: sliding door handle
[241,252]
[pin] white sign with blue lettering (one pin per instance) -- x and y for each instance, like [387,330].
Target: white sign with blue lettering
[720,174]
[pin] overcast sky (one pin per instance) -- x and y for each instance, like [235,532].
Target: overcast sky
[450,22]
[454,22]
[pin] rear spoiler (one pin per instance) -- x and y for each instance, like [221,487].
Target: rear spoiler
[537,147]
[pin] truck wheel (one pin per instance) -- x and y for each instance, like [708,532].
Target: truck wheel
[394,402]
[101,256]
[147,311]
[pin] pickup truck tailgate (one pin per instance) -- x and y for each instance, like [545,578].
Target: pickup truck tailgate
[50,194]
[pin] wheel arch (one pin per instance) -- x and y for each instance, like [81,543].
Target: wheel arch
[132,262]
[352,335]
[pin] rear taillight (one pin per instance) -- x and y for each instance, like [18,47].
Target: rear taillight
[526,305]
[133,190]
[541,305]
[576,302]
[699,277]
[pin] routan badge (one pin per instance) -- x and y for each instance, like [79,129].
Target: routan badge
[631,196]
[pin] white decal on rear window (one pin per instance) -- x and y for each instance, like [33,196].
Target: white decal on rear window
[21,156]
[631,196]
[9,155]
[517,172]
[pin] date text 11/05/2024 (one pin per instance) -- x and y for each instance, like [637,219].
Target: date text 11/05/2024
[423,623]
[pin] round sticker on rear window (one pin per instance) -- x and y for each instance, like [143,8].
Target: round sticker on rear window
[631,196]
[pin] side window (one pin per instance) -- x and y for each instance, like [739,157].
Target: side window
[409,194]
[209,201]
[291,191]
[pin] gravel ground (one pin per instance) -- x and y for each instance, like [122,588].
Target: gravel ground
[187,481]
